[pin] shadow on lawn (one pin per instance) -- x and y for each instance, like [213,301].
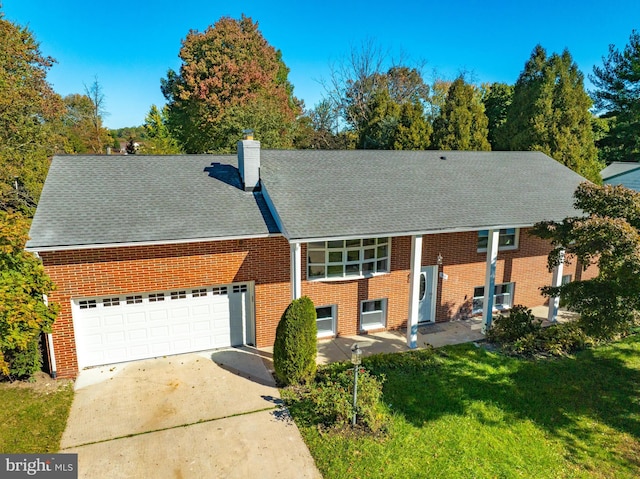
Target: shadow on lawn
[554,394]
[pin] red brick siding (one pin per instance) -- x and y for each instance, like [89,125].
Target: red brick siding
[265,261]
[102,272]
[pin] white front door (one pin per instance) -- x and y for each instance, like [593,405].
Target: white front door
[427,294]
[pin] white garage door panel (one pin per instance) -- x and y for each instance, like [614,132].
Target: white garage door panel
[131,327]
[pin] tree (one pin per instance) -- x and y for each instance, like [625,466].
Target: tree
[159,140]
[30,114]
[295,347]
[23,313]
[462,123]
[617,97]
[379,106]
[99,137]
[550,113]
[497,98]
[230,79]
[79,126]
[608,236]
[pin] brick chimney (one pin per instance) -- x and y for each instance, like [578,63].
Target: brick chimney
[249,161]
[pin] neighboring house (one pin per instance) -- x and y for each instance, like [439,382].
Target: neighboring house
[622,173]
[157,255]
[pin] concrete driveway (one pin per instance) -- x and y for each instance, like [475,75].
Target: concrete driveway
[200,415]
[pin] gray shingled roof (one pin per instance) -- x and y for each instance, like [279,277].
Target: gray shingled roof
[93,200]
[321,194]
[617,168]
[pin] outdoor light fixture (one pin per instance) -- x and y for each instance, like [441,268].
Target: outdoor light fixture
[439,259]
[356,360]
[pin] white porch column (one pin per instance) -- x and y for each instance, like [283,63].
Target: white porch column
[414,291]
[490,279]
[554,301]
[296,271]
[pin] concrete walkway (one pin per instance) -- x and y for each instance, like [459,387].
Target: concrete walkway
[212,414]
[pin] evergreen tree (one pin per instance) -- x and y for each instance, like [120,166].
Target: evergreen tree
[550,113]
[617,98]
[497,98]
[231,79]
[462,123]
[159,140]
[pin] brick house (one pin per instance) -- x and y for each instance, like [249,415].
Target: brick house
[157,255]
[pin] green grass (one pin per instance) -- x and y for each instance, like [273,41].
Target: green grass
[32,420]
[464,412]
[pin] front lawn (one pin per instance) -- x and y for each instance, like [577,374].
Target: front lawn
[464,412]
[33,416]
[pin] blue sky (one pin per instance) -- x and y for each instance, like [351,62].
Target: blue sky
[129,45]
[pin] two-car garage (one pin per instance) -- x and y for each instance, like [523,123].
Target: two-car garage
[128,327]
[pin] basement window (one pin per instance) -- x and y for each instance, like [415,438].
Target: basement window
[326,320]
[508,239]
[348,259]
[502,297]
[373,314]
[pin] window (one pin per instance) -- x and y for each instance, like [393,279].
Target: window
[508,239]
[373,314]
[88,304]
[326,321]
[178,294]
[107,302]
[348,259]
[156,297]
[219,290]
[196,293]
[566,279]
[134,299]
[241,288]
[502,297]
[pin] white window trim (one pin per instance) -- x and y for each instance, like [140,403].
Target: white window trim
[334,321]
[382,324]
[514,246]
[344,263]
[496,308]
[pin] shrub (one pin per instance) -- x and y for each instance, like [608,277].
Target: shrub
[24,363]
[295,346]
[519,323]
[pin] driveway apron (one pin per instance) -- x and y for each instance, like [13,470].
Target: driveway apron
[200,415]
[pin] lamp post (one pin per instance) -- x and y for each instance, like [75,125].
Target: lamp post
[356,360]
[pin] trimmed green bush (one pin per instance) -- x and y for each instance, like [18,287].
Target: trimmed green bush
[295,347]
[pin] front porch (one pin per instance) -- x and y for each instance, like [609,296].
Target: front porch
[436,335]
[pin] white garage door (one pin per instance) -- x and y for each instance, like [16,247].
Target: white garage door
[137,326]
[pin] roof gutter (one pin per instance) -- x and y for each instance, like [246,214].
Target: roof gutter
[37,249]
[410,233]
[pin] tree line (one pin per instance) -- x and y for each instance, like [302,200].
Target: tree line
[231,79]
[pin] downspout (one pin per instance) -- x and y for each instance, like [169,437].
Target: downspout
[50,349]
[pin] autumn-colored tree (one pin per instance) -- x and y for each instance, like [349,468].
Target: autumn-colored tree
[24,315]
[30,114]
[230,79]
[80,126]
[550,113]
[462,123]
[609,236]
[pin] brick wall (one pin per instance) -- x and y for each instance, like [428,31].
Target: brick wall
[102,272]
[265,261]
